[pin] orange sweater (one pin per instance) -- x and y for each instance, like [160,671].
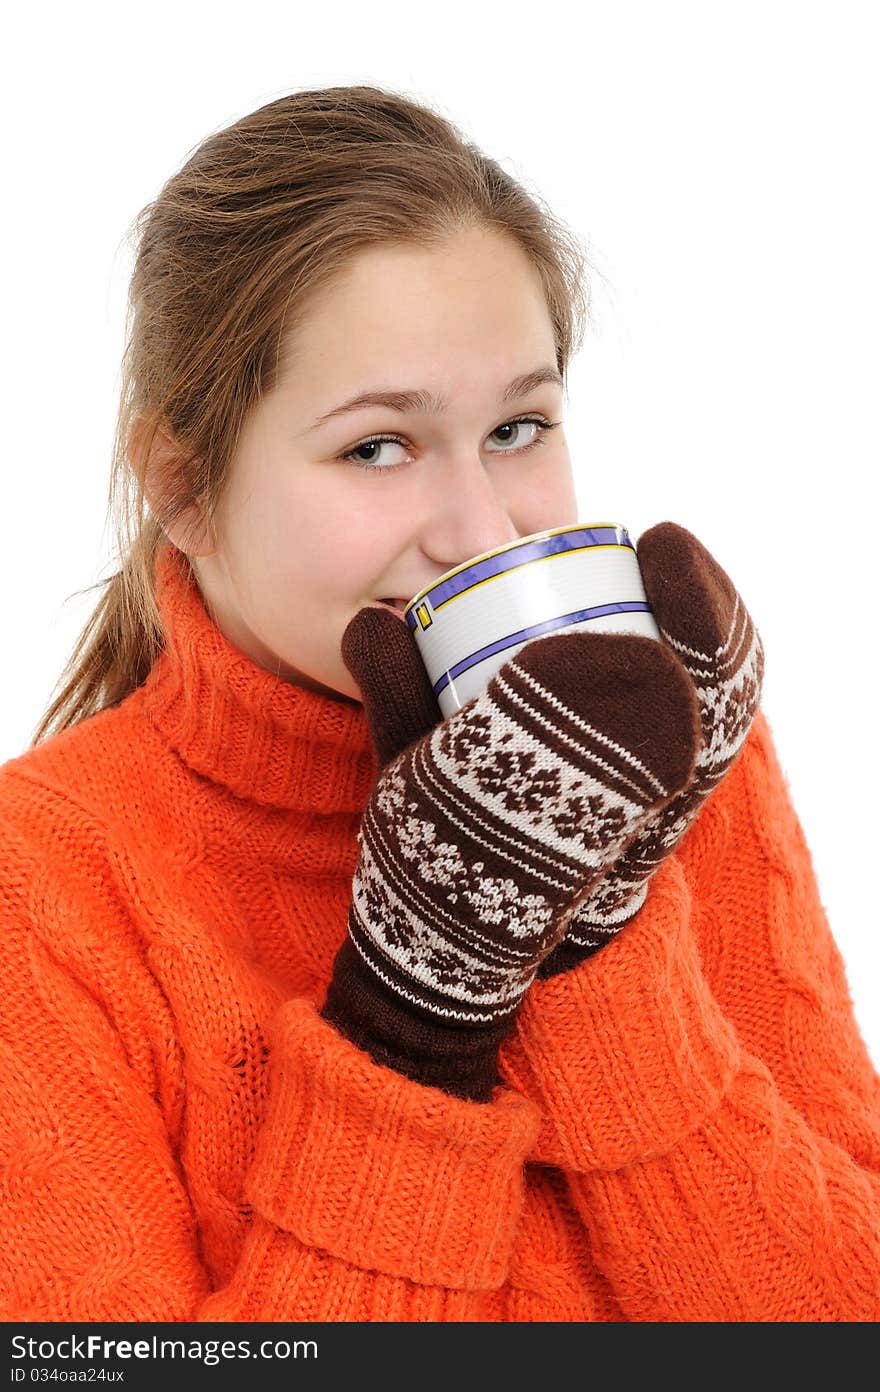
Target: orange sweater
[689,1126]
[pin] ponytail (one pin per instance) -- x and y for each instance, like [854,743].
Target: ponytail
[118,645]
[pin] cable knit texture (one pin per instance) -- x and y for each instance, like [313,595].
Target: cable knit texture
[687,1124]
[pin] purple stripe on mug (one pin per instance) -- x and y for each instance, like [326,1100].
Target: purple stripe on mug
[473,619]
[526,634]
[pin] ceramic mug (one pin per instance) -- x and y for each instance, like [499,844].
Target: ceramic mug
[473,619]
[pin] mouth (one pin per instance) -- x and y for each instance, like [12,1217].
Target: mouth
[397,606]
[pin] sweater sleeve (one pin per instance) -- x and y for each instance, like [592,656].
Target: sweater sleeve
[704,1085]
[373,1198]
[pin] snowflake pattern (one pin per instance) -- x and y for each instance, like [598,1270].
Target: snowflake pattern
[461,740]
[499,902]
[390,791]
[728,706]
[592,821]
[515,778]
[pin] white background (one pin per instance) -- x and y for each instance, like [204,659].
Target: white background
[720,163]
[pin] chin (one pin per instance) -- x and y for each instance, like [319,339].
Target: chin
[345,688]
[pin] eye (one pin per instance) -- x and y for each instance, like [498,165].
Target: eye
[541,425]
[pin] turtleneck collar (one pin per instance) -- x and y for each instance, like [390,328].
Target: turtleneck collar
[237,724]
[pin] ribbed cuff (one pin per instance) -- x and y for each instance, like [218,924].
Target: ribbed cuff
[629,1051]
[460,1060]
[359,1161]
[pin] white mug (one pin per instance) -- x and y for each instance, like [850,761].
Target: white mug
[473,619]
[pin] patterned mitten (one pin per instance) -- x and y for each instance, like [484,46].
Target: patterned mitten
[480,836]
[703,619]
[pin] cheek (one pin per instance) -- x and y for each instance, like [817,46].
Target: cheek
[334,536]
[546,498]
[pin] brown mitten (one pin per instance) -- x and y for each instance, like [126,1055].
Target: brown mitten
[705,623]
[484,831]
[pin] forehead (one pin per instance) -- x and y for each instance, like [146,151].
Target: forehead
[410,312]
[475,262]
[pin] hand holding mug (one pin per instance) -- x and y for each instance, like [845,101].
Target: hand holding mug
[487,833]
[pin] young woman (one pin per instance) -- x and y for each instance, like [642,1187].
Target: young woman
[316,1005]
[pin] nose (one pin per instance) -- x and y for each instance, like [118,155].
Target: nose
[465,514]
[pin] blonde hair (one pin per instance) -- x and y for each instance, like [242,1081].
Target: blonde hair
[264,213]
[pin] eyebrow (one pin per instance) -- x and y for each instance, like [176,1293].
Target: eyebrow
[426,403]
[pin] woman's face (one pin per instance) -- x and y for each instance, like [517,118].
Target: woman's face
[304,538]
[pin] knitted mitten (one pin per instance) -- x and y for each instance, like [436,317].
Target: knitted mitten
[703,619]
[481,835]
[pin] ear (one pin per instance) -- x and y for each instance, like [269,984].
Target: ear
[380,652]
[162,474]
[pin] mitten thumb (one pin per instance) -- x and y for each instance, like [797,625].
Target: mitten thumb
[399,702]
